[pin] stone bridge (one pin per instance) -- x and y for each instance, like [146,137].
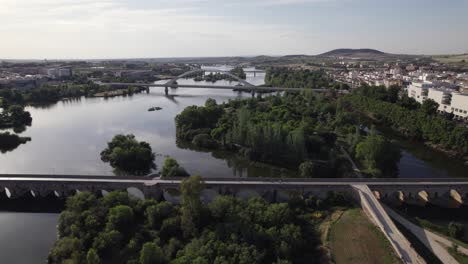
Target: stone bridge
[442,192]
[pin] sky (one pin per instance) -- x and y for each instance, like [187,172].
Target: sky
[95,29]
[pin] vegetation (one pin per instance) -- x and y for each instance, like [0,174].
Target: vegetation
[51,94]
[456,230]
[9,142]
[14,116]
[239,72]
[460,257]
[128,156]
[418,124]
[120,229]
[353,239]
[282,130]
[378,155]
[290,78]
[171,168]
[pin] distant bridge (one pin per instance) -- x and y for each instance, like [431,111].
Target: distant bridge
[243,85]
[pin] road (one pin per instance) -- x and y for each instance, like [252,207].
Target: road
[434,242]
[377,213]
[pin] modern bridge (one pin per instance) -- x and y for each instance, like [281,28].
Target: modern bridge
[242,86]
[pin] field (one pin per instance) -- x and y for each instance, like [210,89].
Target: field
[354,239]
[460,58]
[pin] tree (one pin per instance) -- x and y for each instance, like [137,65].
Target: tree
[92,257]
[120,217]
[456,230]
[429,107]
[171,168]
[191,204]
[151,254]
[127,155]
[307,169]
[378,155]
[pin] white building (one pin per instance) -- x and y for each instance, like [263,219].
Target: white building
[59,72]
[459,105]
[353,75]
[449,101]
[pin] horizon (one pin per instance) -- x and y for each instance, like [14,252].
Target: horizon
[111,29]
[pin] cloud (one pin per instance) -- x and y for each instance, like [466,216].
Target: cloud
[116,28]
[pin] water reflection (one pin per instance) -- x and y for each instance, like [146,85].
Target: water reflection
[69,136]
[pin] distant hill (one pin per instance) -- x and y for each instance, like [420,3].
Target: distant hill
[353,53]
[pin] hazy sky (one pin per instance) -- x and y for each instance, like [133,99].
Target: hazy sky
[166,28]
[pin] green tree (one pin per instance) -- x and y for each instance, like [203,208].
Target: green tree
[151,254]
[92,257]
[429,107]
[129,156]
[378,155]
[191,204]
[121,217]
[307,169]
[171,168]
[456,230]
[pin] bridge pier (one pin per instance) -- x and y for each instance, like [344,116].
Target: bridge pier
[166,90]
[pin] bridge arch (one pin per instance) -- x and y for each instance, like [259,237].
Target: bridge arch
[183,75]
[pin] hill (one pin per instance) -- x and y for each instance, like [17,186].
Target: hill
[353,53]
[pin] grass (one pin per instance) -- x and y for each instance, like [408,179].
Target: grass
[354,239]
[461,258]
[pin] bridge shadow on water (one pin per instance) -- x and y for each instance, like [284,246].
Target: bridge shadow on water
[29,203]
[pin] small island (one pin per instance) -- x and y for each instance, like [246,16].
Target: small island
[155,108]
[128,156]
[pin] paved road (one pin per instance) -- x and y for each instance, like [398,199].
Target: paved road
[436,243]
[356,170]
[398,241]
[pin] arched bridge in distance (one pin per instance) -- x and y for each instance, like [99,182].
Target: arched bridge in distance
[242,86]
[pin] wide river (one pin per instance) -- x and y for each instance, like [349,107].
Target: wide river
[67,138]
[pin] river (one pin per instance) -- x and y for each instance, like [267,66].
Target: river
[67,138]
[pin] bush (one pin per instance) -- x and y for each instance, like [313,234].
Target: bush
[171,168]
[456,230]
[204,141]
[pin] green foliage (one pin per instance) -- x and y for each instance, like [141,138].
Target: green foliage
[307,169]
[129,156]
[429,107]
[171,168]
[378,155]
[283,77]
[414,124]
[282,130]
[120,229]
[239,72]
[14,116]
[456,230]
[151,254]
[204,141]
[121,217]
[195,120]
[191,189]
[92,257]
